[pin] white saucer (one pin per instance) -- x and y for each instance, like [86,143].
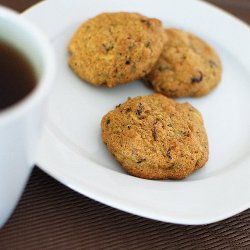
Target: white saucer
[72,150]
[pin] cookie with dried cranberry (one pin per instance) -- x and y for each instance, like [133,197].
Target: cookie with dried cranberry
[116,48]
[154,137]
[188,66]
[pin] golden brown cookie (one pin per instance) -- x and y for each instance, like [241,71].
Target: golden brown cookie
[115,48]
[154,137]
[188,66]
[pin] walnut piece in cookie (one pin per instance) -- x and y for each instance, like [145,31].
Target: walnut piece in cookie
[188,66]
[116,48]
[154,137]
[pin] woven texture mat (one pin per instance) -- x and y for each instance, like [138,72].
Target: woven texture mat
[51,216]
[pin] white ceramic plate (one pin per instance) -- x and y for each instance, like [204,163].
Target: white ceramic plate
[72,150]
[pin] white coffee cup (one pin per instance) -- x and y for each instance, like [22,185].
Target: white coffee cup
[21,124]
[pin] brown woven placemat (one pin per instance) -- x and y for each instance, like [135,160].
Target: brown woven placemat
[51,216]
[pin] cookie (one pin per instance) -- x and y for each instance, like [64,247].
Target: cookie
[188,66]
[154,137]
[116,48]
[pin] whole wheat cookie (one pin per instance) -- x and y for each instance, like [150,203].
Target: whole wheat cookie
[154,137]
[188,66]
[115,48]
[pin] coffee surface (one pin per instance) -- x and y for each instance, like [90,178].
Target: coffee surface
[17,77]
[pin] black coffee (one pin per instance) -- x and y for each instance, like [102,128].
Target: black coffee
[17,77]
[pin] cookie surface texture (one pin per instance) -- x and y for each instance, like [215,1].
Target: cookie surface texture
[188,66]
[116,48]
[154,137]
